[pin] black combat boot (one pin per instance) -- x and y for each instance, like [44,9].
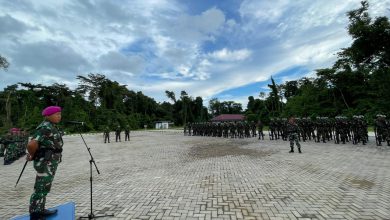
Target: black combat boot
[299,150]
[37,216]
[47,212]
[292,150]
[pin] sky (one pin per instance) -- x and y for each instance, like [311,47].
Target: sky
[225,49]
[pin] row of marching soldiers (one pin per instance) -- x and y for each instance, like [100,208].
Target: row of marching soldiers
[225,129]
[340,130]
[13,145]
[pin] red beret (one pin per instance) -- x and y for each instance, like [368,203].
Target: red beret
[14,129]
[51,110]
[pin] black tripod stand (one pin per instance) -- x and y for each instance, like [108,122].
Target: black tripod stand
[91,160]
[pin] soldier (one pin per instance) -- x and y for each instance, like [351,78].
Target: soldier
[292,130]
[2,147]
[359,129]
[232,129]
[11,148]
[118,133]
[6,141]
[260,129]
[253,128]
[185,129]
[127,133]
[381,133]
[106,134]
[45,149]
[272,129]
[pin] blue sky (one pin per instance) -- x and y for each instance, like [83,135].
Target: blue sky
[211,48]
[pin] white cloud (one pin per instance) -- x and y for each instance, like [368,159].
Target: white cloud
[117,61]
[203,53]
[228,55]
[264,11]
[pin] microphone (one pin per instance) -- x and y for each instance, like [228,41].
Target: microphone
[75,122]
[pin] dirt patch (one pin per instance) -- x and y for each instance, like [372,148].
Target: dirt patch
[218,149]
[361,183]
[310,168]
[309,216]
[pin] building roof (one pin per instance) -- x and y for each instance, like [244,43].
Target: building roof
[229,117]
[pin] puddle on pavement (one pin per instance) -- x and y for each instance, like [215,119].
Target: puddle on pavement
[357,183]
[361,183]
[217,149]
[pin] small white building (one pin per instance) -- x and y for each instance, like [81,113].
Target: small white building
[162,124]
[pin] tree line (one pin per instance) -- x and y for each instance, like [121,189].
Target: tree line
[357,83]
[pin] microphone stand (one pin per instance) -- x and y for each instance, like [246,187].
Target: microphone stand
[91,160]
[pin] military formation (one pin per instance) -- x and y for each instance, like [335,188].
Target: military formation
[224,129]
[13,145]
[340,130]
[118,131]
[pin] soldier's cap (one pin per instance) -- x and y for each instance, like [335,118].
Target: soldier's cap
[51,110]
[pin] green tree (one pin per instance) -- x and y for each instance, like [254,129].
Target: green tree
[3,63]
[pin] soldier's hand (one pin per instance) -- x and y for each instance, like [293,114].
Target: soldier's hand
[29,157]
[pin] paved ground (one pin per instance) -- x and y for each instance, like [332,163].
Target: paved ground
[170,176]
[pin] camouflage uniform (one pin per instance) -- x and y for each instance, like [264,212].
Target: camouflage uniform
[127,133]
[106,134]
[5,142]
[292,130]
[46,160]
[260,129]
[10,150]
[2,147]
[118,134]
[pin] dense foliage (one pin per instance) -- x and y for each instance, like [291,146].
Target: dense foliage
[357,83]
[98,101]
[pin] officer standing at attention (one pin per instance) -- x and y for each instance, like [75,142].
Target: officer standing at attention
[118,133]
[106,134]
[293,130]
[45,149]
[127,133]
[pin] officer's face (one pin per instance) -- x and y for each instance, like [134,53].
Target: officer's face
[55,118]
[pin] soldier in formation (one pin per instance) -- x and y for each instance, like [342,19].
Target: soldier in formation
[341,129]
[127,133]
[359,130]
[260,129]
[293,131]
[382,130]
[324,129]
[118,133]
[13,145]
[106,134]
[223,129]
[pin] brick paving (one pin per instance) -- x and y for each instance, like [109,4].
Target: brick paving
[165,175]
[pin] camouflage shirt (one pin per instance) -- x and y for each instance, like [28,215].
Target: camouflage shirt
[48,136]
[292,128]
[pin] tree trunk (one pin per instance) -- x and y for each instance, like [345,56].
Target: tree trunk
[8,121]
[342,96]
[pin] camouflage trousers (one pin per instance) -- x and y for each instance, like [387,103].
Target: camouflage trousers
[45,174]
[2,149]
[294,138]
[10,152]
[106,137]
